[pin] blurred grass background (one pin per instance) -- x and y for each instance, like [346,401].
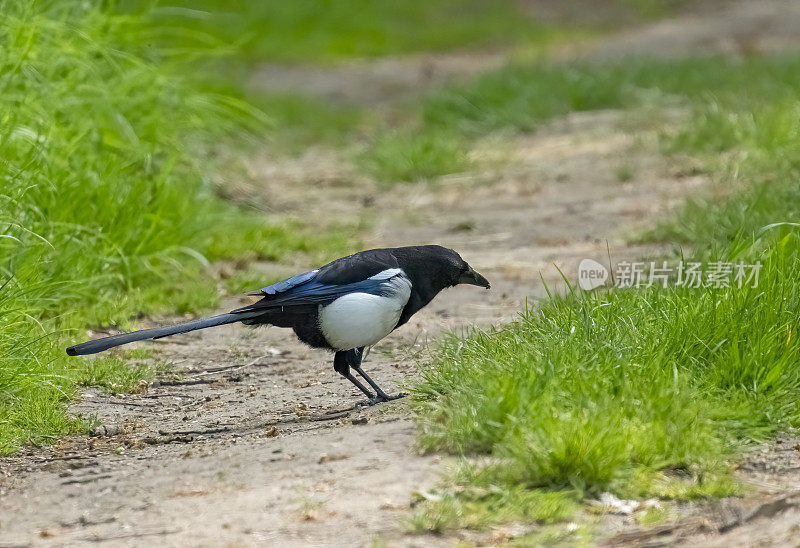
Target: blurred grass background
[325,31]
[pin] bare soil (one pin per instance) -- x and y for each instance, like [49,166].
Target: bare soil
[255,440]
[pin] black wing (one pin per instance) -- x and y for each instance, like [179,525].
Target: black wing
[352,274]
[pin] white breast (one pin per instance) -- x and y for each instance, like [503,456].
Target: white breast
[362,319]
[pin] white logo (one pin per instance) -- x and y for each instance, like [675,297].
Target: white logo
[591,274]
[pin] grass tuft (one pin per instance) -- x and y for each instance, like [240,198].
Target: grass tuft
[403,158]
[640,393]
[106,201]
[476,507]
[124,372]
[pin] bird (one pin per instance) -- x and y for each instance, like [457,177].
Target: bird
[345,306]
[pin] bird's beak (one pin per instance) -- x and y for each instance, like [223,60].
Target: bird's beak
[473,278]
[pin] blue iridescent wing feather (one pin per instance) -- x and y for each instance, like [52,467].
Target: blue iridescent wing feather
[287,284]
[304,289]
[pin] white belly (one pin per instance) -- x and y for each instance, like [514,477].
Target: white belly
[362,319]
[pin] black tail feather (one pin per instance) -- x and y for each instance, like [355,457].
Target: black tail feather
[93,347]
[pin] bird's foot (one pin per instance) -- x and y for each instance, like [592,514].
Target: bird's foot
[380,398]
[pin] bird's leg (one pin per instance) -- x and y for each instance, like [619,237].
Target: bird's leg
[340,364]
[354,358]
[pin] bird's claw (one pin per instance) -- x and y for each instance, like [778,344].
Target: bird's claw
[380,398]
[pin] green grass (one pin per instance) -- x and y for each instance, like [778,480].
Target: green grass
[299,122]
[521,97]
[650,392]
[477,507]
[107,210]
[403,157]
[32,381]
[309,31]
[588,390]
[125,372]
[642,393]
[754,154]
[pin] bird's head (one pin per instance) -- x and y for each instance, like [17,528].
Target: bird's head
[447,267]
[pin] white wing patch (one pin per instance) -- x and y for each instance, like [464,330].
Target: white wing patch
[362,319]
[388,273]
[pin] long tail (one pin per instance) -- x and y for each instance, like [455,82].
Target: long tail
[93,347]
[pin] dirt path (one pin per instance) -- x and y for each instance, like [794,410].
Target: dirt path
[257,441]
[713,27]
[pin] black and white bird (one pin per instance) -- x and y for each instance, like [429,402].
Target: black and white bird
[344,306]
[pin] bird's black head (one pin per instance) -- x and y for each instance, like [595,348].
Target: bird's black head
[460,272]
[441,267]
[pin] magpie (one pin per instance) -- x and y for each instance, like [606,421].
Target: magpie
[345,306]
